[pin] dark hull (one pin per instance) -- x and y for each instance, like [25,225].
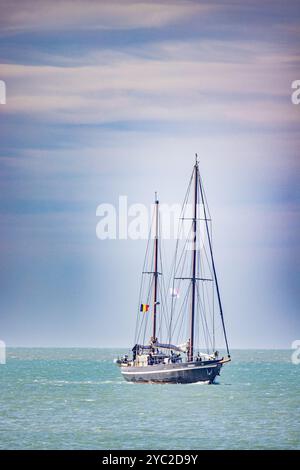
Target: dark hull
[188,372]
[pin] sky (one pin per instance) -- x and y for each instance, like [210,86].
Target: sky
[110,98]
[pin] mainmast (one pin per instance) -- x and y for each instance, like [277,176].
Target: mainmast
[194,265]
[155,272]
[214,268]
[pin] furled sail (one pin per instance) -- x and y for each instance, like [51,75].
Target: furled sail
[180,347]
[143,347]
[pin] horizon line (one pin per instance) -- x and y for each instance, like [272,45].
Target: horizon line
[124,347]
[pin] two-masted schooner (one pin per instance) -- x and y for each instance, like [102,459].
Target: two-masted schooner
[176,329]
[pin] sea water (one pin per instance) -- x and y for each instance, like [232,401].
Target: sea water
[77,399]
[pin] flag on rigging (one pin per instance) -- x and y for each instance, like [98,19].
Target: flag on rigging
[174,293]
[144,308]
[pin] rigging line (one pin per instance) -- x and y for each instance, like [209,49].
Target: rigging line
[197,329]
[186,261]
[164,321]
[164,318]
[142,280]
[203,240]
[206,333]
[163,309]
[200,286]
[165,315]
[183,267]
[204,199]
[196,310]
[165,292]
[213,286]
[204,288]
[184,251]
[151,279]
[214,270]
[206,255]
[180,225]
[139,303]
[138,320]
[204,305]
[160,318]
[181,335]
[184,257]
[181,313]
[180,310]
[162,287]
[183,208]
[185,334]
[143,321]
[162,283]
[145,317]
[199,308]
[178,240]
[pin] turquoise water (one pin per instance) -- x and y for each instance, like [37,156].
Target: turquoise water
[76,399]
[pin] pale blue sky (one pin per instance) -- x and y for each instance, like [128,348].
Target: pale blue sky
[114,98]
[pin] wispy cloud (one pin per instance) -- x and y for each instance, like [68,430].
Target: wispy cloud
[171,86]
[29,15]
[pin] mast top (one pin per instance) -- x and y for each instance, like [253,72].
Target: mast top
[156,198]
[196,159]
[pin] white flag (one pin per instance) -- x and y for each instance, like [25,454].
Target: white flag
[174,293]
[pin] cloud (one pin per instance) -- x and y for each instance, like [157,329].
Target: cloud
[207,79]
[28,15]
[172,86]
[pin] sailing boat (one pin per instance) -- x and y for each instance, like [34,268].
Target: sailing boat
[191,319]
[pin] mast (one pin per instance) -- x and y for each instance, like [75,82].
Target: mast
[214,267]
[155,273]
[194,261]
